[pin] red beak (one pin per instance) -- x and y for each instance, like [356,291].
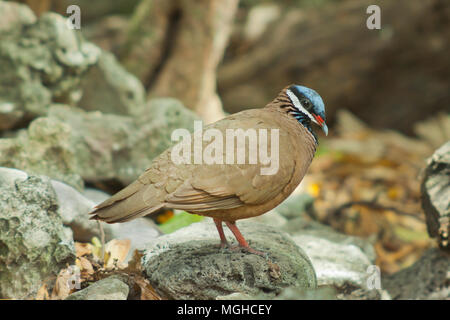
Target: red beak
[322,123]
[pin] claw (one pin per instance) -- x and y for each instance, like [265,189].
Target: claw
[249,250]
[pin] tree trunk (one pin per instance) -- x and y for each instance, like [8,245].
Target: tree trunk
[174,47]
[389,78]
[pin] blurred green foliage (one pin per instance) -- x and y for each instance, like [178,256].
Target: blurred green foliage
[180,220]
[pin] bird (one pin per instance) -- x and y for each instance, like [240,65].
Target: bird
[227,192]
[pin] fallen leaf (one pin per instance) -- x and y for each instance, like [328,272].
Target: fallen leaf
[314,189]
[134,265]
[274,270]
[117,251]
[42,293]
[85,265]
[83,249]
[147,291]
[67,281]
[164,217]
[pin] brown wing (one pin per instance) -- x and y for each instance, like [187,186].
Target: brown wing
[201,188]
[131,202]
[226,186]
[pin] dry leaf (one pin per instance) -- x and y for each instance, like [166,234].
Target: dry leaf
[147,291]
[85,265]
[42,293]
[117,251]
[67,281]
[379,170]
[83,249]
[134,265]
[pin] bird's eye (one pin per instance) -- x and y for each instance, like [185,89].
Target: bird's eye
[306,104]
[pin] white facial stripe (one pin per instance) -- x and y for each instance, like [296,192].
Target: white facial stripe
[298,105]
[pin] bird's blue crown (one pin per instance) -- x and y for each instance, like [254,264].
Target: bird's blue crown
[318,107]
[308,106]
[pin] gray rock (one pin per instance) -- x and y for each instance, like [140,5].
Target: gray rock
[71,144]
[45,148]
[109,88]
[428,278]
[95,195]
[74,209]
[271,218]
[46,62]
[151,135]
[296,205]
[121,147]
[294,293]
[40,63]
[289,293]
[302,226]
[188,264]
[140,231]
[13,15]
[96,140]
[9,176]
[342,262]
[435,191]
[111,288]
[34,245]
[236,296]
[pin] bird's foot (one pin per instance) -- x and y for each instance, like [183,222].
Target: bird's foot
[223,245]
[248,249]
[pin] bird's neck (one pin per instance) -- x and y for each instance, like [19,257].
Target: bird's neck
[306,122]
[283,104]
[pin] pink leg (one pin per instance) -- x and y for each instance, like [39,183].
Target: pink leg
[242,243]
[223,239]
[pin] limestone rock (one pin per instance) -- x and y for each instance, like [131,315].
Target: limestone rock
[41,63]
[72,145]
[110,288]
[74,209]
[8,176]
[293,293]
[109,146]
[33,243]
[97,140]
[342,262]
[150,135]
[140,232]
[109,88]
[95,195]
[296,205]
[428,278]
[188,264]
[45,148]
[14,15]
[271,218]
[436,194]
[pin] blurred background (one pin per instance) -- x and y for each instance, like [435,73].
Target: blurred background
[391,78]
[386,94]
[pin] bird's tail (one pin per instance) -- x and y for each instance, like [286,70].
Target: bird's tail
[125,205]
